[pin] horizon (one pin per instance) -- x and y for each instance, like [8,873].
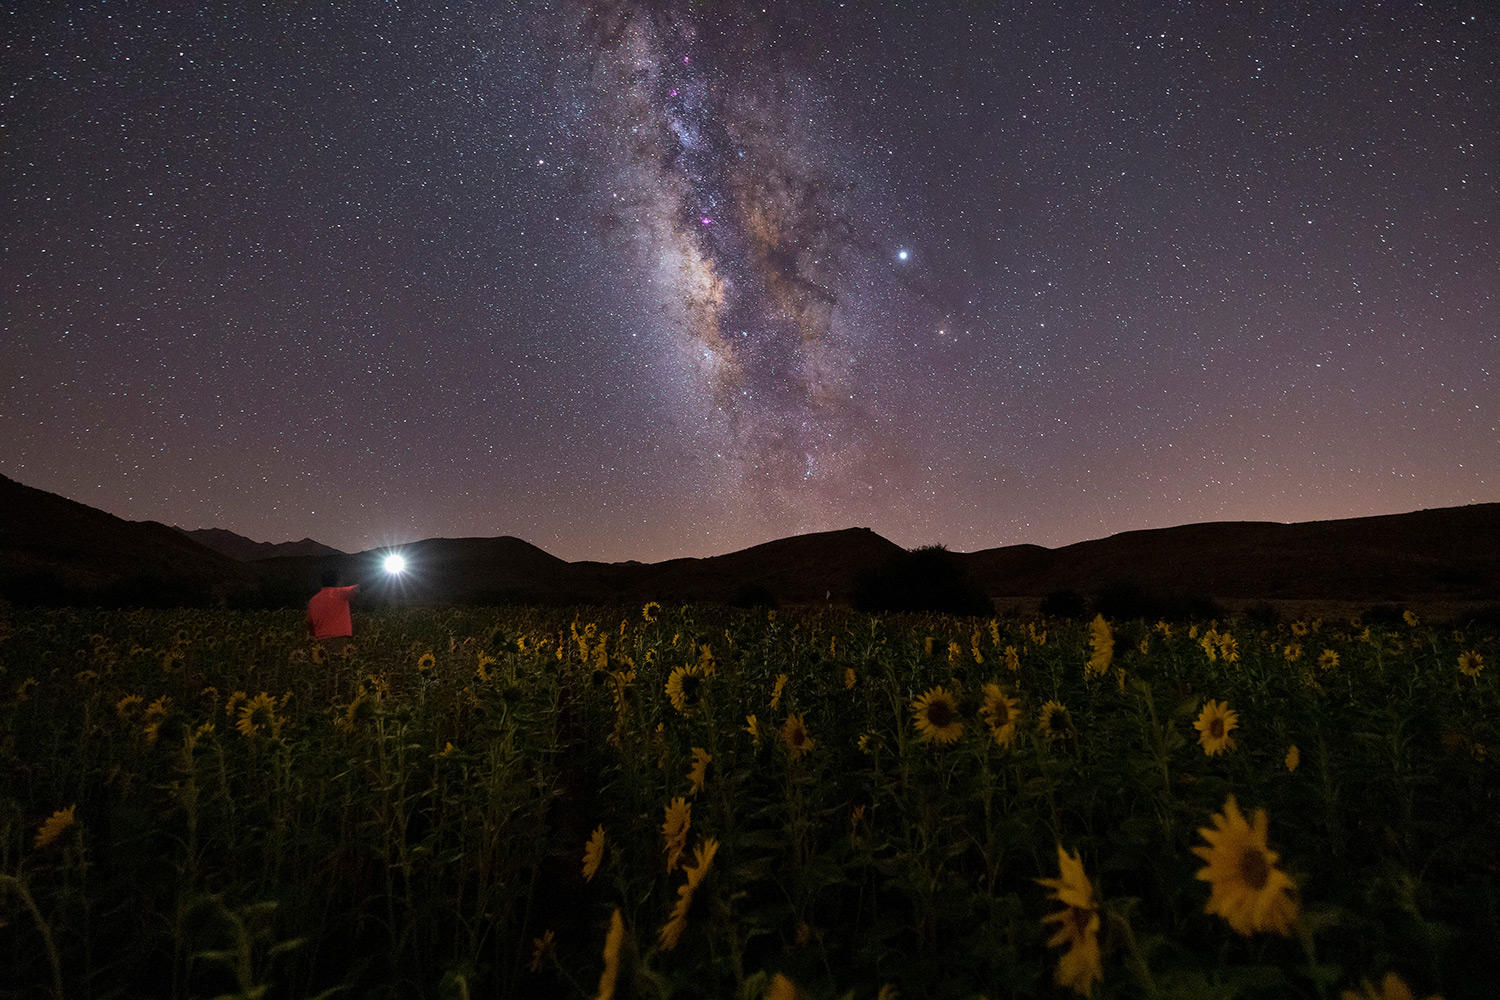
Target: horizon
[853,527]
[969,275]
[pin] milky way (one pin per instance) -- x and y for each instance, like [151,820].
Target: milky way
[740,233]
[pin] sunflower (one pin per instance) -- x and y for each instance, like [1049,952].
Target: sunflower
[1077,925]
[614,942]
[782,988]
[1411,619]
[1012,659]
[671,932]
[1299,629]
[675,826]
[1293,652]
[703,859]
[685,687]
[752,726]
[1055,722]
[1102,646]
[850,678]
[1470,663]
[1328,660]
[999,714]
[593,854]
[623,693]
[698,773]
[54,826]
[127,704]
[24,689]
[706,661]
[650,610]
[1393,987]
[426,662]
[1214,724]
[1229,648]
[935,714]
[776,690]
[1293,757]
[794,736]
[260,713]
[1248,890]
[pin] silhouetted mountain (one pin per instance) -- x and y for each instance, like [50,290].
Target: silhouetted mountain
[54,550]
[57,551]
[803,569]
[1449,553]
[244,549]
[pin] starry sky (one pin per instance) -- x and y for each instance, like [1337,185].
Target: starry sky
[651,279]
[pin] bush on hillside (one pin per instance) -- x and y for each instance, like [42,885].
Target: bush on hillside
[924,579]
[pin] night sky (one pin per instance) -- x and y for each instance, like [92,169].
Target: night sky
[633,281]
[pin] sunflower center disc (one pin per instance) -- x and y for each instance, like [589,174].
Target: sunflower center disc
[1254,869]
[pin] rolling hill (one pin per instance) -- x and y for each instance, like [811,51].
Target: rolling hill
[57,551]
[54,551]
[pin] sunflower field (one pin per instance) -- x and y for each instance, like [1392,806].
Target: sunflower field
[703,802]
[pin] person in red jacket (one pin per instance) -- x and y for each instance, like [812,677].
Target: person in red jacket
[328,619]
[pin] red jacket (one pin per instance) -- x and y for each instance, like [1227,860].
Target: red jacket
[328,612]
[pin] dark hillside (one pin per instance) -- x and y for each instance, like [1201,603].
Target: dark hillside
[1447,553]
[55,550]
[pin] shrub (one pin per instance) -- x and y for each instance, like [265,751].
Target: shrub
[922,579]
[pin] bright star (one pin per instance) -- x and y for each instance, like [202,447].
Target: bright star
[902,255]
[394,564]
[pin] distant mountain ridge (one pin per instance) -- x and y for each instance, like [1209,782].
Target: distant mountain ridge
[57,551]
[239,547]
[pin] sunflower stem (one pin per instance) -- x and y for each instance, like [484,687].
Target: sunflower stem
[19,885]
[1134,959]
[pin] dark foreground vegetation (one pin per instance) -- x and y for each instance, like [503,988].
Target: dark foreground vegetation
[196,803]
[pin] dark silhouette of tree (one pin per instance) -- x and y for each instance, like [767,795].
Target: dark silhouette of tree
[924,579]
